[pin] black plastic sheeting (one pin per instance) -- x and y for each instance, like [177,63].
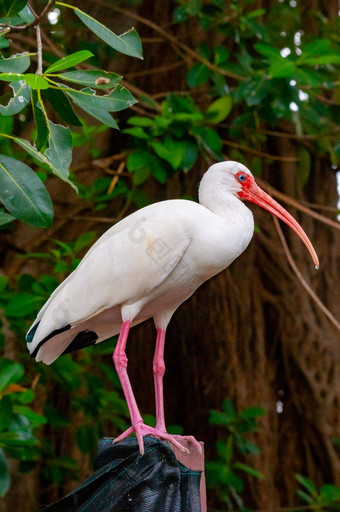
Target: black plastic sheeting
[125,481]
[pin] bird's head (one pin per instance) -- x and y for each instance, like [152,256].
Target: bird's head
[238,180]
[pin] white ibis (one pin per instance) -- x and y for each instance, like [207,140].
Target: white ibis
[144,267]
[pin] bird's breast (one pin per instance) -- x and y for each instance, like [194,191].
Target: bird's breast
[220,244]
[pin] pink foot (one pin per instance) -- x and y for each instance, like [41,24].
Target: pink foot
[191,440]
[142,430]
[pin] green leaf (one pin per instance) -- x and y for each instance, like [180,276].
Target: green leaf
[118,99]
[172,150]
[249,470]
[229,409]
[307,498]
[26,396]
[158,169]
[31,150]
[252,412]
[92,78]
[128,43]
[268,51]
[17,63]
[219,418]
[141,174]
[330,493]
[140,121]
[137,159]
[190,155]
[180,14]
[256,13]
[316,48]
[40,121]
[12,77]
[331,58]
[5,218]
[23,193]
[247,447]
[6,412]
[13,7]
[282,68]
[230,478]
[219,109]
[3,41]
[59,152]
[97,112]
[22,304]
[221,54]
[10,373]
[4,474]
[21,97]
[35,81]
[33,417]
[209,139]
[62,106]
[69,61]
[138,132]
[198,75]
[3,283]
[26,14]
[307,484]
[102,116]
[84,240]
[139,163]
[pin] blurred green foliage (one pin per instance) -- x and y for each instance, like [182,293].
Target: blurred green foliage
[93,386]
[173,139]
[225,472]
[17,420]
[325,499]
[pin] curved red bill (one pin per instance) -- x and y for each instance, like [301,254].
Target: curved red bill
[255,194]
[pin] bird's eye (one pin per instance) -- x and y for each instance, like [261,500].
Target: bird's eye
[241,177]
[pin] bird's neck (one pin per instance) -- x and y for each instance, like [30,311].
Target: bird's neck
[222,203]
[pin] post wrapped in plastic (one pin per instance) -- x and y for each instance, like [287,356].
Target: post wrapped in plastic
[125,481]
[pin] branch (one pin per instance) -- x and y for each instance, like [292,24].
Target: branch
[260,153]
[36,21]
[39,50]
[173,40]
[152,71]
[298,274]
[116,177]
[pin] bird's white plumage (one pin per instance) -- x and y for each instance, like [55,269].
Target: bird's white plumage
[148,264]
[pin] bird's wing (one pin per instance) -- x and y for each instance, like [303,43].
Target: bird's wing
[123,268]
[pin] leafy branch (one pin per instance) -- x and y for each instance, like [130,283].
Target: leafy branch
[16,8]
[65,91]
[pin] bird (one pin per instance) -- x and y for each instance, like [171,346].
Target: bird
[145,266]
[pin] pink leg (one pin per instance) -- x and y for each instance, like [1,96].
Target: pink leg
[120,361]
[158,373]
[137,425]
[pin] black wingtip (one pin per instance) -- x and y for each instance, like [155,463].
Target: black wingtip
[82,340]
[31,333]
[51,335]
